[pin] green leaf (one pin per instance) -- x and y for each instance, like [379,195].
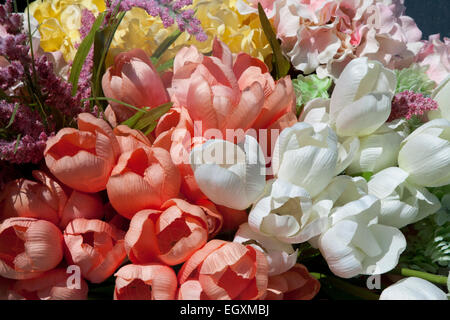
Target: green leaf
[281,64]
[17,143]
[114,100]
[103,40]
[147,123]
[83,51]
[12,116]
[166,65]
[132,121]
[171,38]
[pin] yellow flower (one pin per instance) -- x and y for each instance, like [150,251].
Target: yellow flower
[60,22]
[218,18]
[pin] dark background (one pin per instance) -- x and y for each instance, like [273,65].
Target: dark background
[431,16]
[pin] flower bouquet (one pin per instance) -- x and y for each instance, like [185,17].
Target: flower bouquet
[235,149]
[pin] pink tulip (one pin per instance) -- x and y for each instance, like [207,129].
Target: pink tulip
[95,246]
[175,133]
[279,96]
[42,199]
[47,200]
[169,236]
[134,80]
[28,247]
[143,178]
[145,282]
[83,159]
[130,139]
[52,285]
[208,89]
[295,284]
[224,270]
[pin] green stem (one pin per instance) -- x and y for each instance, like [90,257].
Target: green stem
[347,287]
[420,274]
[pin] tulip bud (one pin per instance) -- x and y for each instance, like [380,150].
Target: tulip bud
[361,99]
[133,80]
[83,159]
[143,178]
[215,272]
[294,284]
[28,247]
[95,246]
[145,282]
[307,156]
[52,285]
[170,236]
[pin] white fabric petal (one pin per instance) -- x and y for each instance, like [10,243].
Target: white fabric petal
[426,158]
[364,116]
[413,288]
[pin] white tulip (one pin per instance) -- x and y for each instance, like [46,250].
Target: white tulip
[361,100]
[442,96]
[413,288]
[316,111]
[285,213]
[425,154]
[355,244]
[306,155]
[402,203]
[280,256]
[380,149]
[228,174]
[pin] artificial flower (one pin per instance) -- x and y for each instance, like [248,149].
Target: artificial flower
[218,19]
[219,93]
[307,156]
[224,270]
[424,154]
[294,284]
[60,23]
[47,200]
[402,203]
[228,174]
[310,87]
[130,139]
[442,97]
[413,288]
[285,213]
[324,36]
[83,159]
[414,78]
[281,256]
[146,177]
[435,55]
[29,247]
[356,244]
[134,80]
[145,282]
[361,100]
[95,246]
[51,285]
[411,105]
[379,150]
[169,235]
